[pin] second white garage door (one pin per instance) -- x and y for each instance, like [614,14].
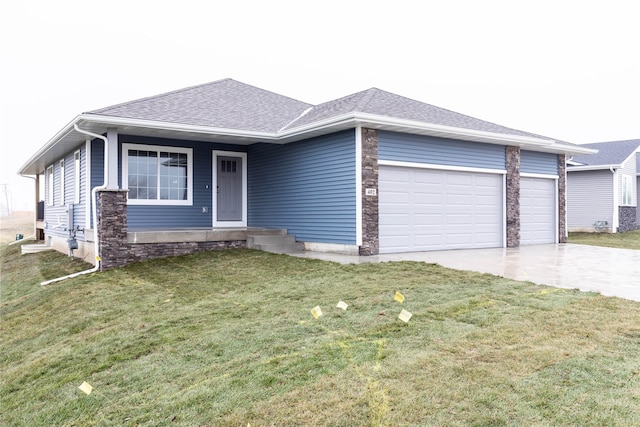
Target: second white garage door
[427,209]
[537,211]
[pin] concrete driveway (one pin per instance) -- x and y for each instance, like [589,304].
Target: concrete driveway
[611,272]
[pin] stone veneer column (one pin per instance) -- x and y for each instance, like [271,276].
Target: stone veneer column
[370,231]
[112,228]
[513,197]
[562,199]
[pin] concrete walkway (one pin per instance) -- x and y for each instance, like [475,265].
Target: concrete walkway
[609,271]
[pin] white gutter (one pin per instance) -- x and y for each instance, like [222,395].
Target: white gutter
[344,121]
[593,167]
[378,120]
[51,143]
[154,124]
[94,210]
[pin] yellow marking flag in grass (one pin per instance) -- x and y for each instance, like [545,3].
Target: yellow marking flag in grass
[316,311]
[399,297]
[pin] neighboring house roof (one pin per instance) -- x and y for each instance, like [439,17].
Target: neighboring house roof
[610,154]
[233,112]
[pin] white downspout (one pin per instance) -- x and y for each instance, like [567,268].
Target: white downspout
[94,210]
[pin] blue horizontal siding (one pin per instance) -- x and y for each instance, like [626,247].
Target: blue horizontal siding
[307,187]
[536,162]
[56,216]
[175,217]
[440,151]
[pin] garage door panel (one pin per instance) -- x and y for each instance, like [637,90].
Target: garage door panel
[461,219]
[430,220]
[395,219]
[444,210]
[459,199]
[428,198]
[537,211]
[461,179]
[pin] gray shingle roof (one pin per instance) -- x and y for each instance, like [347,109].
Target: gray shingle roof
[610,153]
[224,104]
[380,102]
[234,105]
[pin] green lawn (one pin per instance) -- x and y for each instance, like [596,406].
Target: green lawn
[228,338]
[628,240]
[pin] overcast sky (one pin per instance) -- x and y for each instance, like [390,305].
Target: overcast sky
[564,69]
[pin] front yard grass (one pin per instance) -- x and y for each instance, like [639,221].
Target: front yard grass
[627,240]
[228,338]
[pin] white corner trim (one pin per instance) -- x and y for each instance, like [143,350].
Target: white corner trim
[358,185]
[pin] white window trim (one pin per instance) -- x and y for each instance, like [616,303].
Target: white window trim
[62,189]
[49,175]
[76,176]
[627,191]
[125,168]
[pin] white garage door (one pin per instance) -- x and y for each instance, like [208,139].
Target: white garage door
[426,209]
[537,211]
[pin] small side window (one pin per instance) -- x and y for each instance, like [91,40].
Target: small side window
[62,182]
[50,186]
[76,177]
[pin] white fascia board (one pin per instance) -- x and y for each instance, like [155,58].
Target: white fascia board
[50,144]
[592,168]
[377,121]
[572,149]
[179,127]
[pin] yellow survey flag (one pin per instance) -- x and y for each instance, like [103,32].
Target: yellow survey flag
[316,311]
[399,297]
[85,387]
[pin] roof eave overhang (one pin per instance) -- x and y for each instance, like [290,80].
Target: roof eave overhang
[592,168]
[99,124]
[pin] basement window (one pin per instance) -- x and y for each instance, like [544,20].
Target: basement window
[157,175]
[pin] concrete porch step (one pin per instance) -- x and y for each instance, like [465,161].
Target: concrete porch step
[279,244]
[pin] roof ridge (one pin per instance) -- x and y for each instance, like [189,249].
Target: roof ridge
[367,97]
[468,116]
[160,95]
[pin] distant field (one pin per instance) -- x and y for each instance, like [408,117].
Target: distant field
[19,222]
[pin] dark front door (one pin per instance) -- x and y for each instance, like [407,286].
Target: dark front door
[229,188]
